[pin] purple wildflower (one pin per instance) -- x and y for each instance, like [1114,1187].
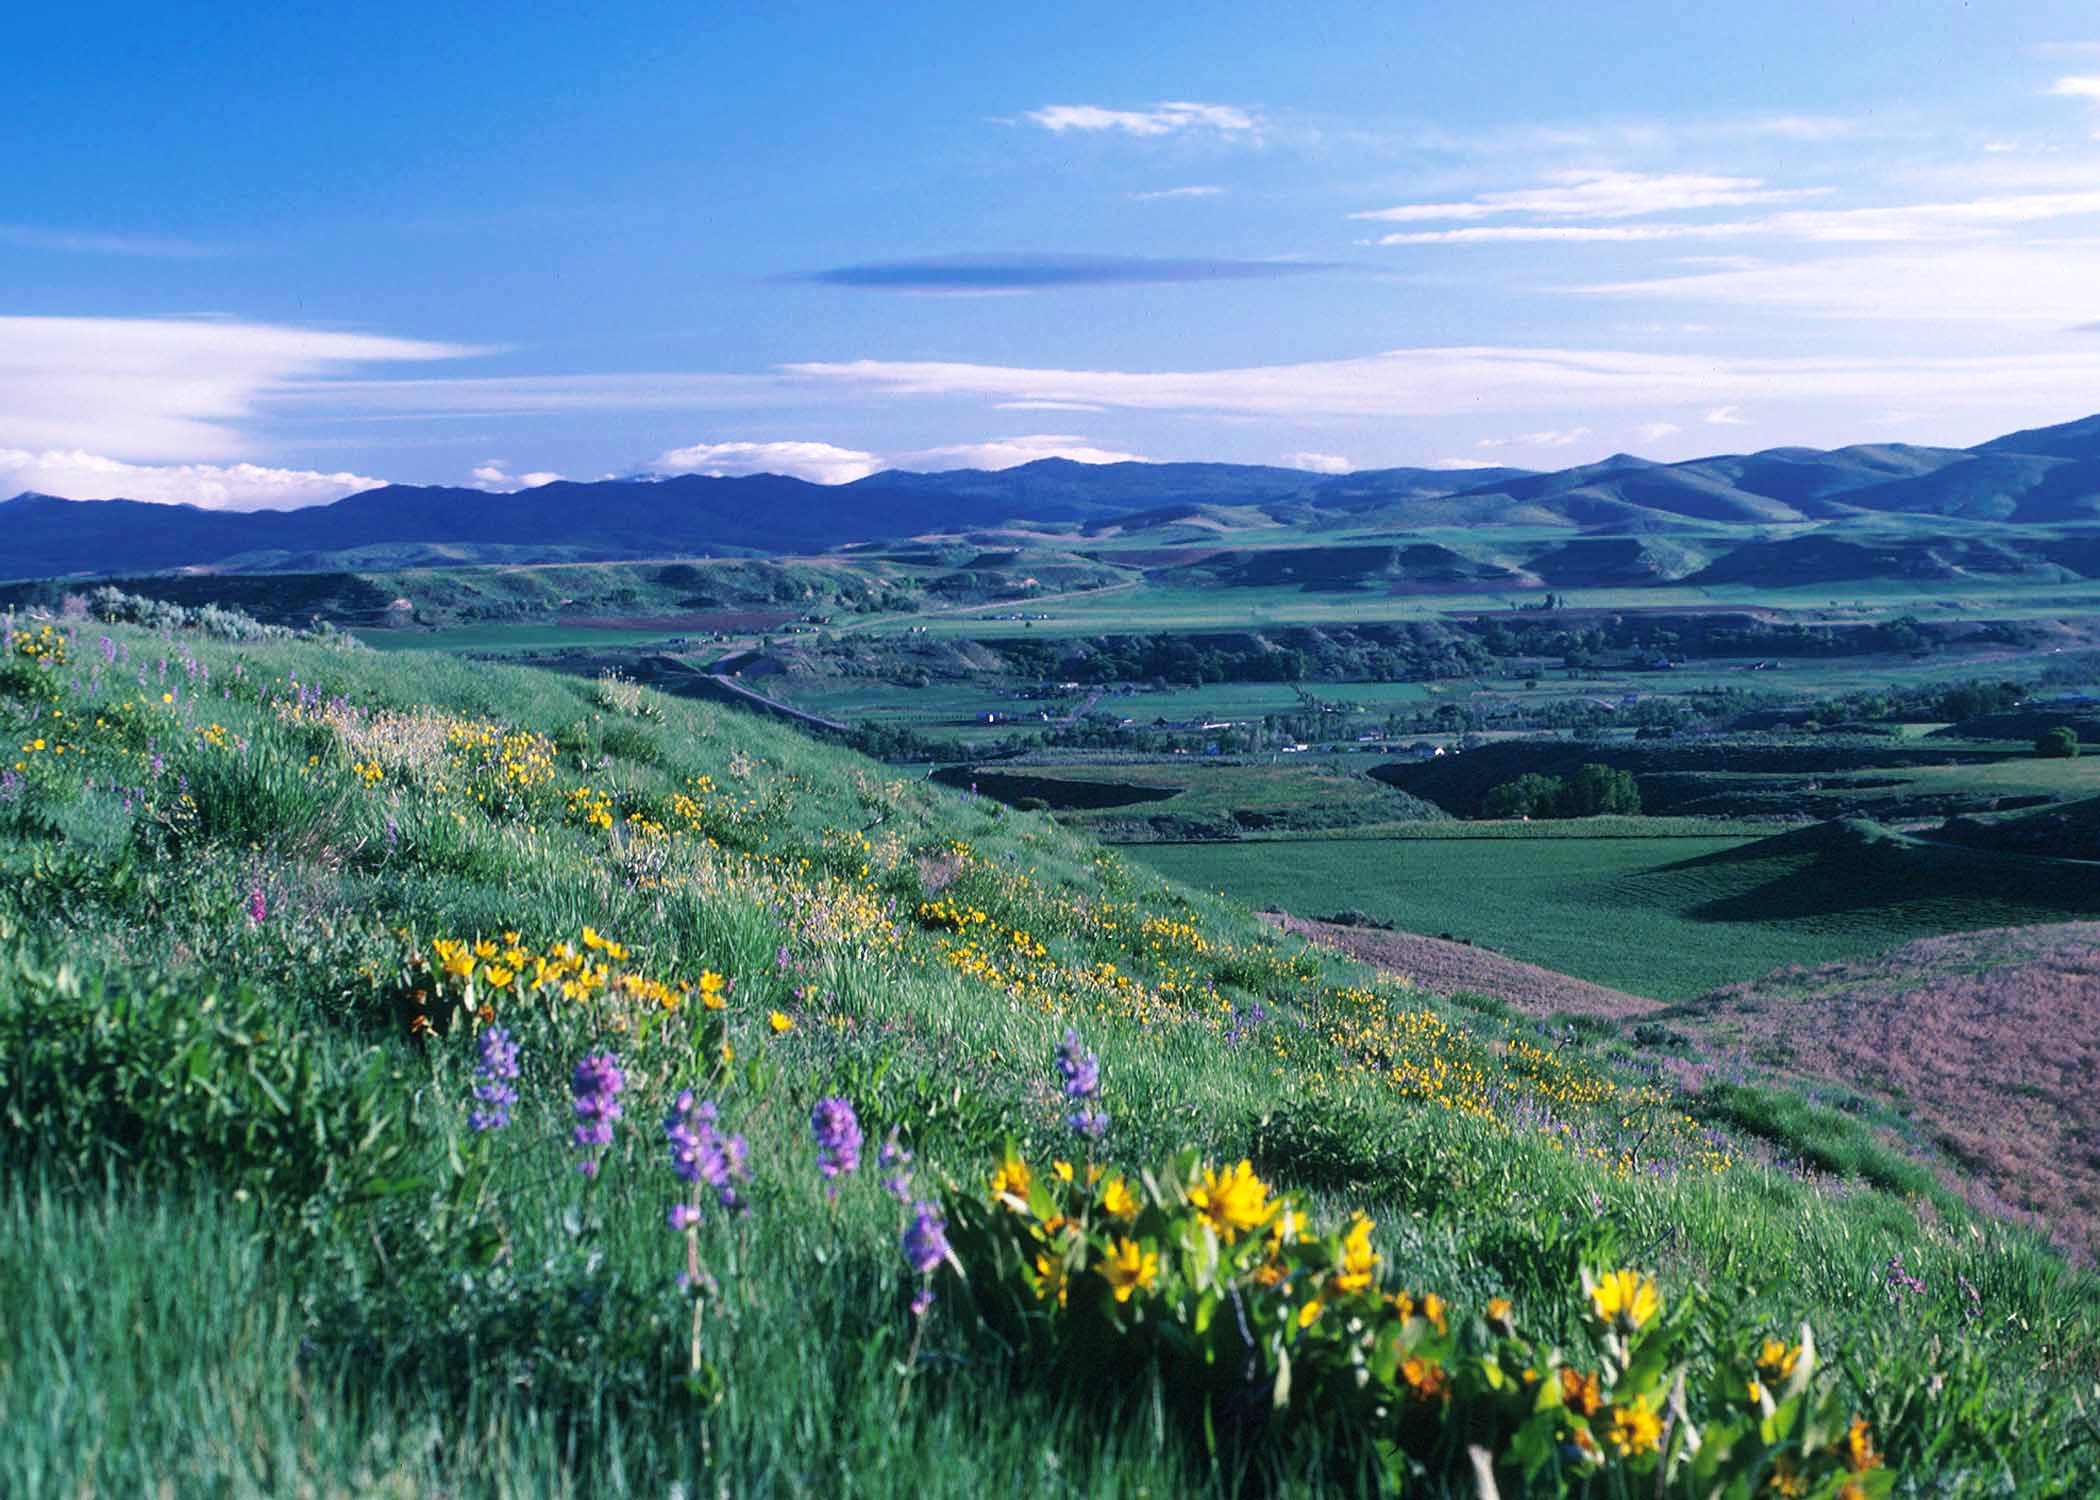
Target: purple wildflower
[926,1239]
[494,1073]
[258,906]
[896,1161]
[108,648]
[837,1132]
[596,1087]
[921,1301]
[701,1153]
[1900,1282]
[1082,1075]
[11,787]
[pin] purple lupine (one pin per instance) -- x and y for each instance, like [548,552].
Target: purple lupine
[1082,1075]
[108,648]
[701,1153]
[258,906]
[896,1162]
[926,1238]
[837,1132]
[596,1086]
[495,1071]
[1900,1282]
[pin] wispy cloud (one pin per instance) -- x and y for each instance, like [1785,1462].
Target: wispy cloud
[1465,381]
[76,475]
[1565,437]
[1007,453]
[1157,195]
[1975,218]
[1727,416]
[1655,432]
[166,389]
[1600,195]
[1318,463]
[979,275]
[1173,117]
[95,242]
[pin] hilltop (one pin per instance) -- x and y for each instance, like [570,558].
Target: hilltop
[263,900]
[2044,477]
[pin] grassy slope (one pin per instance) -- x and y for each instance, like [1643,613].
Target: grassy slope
[220,1333]
[1665,917]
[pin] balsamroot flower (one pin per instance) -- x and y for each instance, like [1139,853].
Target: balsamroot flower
[495,1071]
[837,1133]
[596,1088]
[1232,1201]
[1625,1300]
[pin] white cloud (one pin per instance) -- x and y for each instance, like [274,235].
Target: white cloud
[175,389]
[539,395]
[1466,381]
[1464,463]
[1566,437]
[1162,119]
[75,475]
[1159,194]
[2078,86]
[495,475]
[1318,463]
[1006,453]
[2043,285]
[93,242]
[1045,406]
[820,463]
[1600,195]
[1655,432]
[1727,416]
[1975,218]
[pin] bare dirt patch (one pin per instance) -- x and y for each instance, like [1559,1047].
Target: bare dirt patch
[1447,968]
[1988,1041]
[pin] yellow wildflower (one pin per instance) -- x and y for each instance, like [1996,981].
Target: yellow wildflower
[1502,1314]
[1579,1392]
[1309,1313]
[1425,1378]
[1012,1179]
[1625,1300]
[1129,1268]
[1051,1280]
[1232,1201]
[1859,1446]
[1777,1358]
[1357,1257]
[498,976]
[781,1022]
[1634,1430]
[1117,1200]
[713,990]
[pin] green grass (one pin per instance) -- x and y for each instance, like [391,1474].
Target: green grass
[248,1244]
[1665,917]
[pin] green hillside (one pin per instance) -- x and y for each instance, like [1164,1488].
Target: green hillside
[269,908]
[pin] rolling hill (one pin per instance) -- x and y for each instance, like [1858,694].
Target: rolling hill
[2045,476]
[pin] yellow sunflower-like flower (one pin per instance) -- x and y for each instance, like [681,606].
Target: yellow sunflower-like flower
[713,990]
[1050,1279]
[781,1022]
[498,976]
[1117,1200]
[1358,1260]
[1778,1358]
[1233,1201]
[1859,1446]
[1633,1430]
[1425,1379]
[1579,1392]
[1012,1178]
[1625,1300]
[1129,1268]
[1502,1315]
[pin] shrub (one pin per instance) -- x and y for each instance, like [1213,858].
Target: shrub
[2059,743]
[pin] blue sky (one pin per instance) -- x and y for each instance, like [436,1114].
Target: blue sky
[267,255]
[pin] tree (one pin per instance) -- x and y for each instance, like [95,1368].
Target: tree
[1598,789]
[1529,796]
[2060,743]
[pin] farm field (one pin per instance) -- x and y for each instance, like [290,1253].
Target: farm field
[1669,918]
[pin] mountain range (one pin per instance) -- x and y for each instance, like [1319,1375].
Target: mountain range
[2048,475]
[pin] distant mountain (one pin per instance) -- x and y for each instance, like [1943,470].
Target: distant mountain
[2048,475]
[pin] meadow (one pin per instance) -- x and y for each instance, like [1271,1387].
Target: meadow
[430,1076]
[1666,917]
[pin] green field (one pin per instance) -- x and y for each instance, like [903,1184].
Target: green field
[1669,917]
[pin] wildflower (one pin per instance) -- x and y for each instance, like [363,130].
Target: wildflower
[1117,1200]
[1012,1179]
[893,1159]
[1425,1379]
[1357,1257]
[1625,1300]
[701,1153]
[1579,1392]
[1777,1359]
[1232,1201]
[495,1070]
[1501,1315]
[1859,1446]
[1900,1282]
[1081,1070]
[781,1022]
[714,989]
[1633,1430]
[596,1088]
[258,907]
[1129,1268]
[926,1239]
[1051,1280]
[837,1132]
